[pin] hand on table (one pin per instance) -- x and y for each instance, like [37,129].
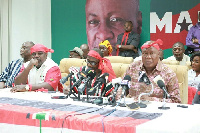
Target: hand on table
[18,88]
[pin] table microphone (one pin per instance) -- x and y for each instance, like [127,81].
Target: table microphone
[101,80]
[143,78]
[72,70]
[125,84]
[160,82]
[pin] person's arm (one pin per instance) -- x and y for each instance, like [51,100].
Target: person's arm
[22,88]
[190,37]
[2,84]
[51,81]
[119,39]
[172,88]
[4,75]
[23,76]
[133,44]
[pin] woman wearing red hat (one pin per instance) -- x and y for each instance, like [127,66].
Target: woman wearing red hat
[100,66]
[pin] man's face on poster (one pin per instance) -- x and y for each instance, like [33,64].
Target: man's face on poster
[105,20]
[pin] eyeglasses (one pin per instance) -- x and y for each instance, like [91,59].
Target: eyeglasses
[93,63]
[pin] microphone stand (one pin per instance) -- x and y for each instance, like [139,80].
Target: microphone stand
[142,105]
[70,92]
[124,103]
[164,103]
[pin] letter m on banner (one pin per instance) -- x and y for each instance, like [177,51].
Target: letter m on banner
[165,21]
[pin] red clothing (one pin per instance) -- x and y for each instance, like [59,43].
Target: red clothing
[52,77]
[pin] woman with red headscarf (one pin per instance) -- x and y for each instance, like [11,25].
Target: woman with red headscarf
[100,66]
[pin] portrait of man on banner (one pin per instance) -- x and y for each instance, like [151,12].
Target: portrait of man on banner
[105,20]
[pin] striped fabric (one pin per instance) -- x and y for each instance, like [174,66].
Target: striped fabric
[10,72]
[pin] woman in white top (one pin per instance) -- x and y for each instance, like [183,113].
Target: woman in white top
[193,76]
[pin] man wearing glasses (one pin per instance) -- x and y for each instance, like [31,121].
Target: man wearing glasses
[39,73]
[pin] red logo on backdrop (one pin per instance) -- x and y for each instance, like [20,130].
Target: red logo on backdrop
[173,28]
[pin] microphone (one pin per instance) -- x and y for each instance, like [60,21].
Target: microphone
[87,75]
[143,78]
[101,80]
[125,84]
[115,83]
[160,82]
[82,75]
[72,71]
[163,87]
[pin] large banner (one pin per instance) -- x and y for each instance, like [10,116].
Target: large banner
[170,20]
[75,22]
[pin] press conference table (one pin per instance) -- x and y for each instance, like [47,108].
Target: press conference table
[17,109]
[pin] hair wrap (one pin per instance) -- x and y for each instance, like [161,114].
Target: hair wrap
[40,47]
[155,44]
[108,46]
[104,64]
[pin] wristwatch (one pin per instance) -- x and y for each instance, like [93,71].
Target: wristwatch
[27,87]
[119,46]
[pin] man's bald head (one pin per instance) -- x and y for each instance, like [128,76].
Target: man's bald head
[85,49]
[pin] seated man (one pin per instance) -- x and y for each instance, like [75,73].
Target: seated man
[85,49]
[178,54]
[152,66]
[76,53]
[39,72]
[106,48]
[11,71]
[127,42]
[100,65]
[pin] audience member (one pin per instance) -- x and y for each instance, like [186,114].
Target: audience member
[127,42]
[178,53]
[40,72]
[105,20]
[76,53]
[8,75]
[106,48]
[100,65]
[193,37]
[152,66]
[193,76]
[85,49]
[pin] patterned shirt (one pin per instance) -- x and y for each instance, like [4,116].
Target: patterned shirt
[10,72]
[169,77]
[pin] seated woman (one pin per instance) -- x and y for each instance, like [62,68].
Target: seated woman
[106,48]
[100,65]
[193,76]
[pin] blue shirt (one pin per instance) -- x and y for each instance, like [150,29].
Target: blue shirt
[10,72]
